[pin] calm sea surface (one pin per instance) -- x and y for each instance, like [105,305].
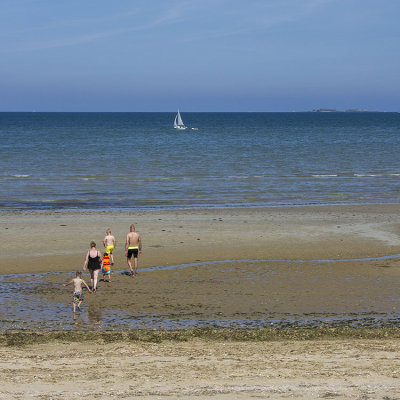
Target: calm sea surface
[138,161]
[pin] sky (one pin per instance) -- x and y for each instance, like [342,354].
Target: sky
[199,55]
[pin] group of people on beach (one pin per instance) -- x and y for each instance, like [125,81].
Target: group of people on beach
[96,262]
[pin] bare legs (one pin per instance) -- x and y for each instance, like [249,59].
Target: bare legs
[93,278]
[76,304]
[135,264]
[130,266]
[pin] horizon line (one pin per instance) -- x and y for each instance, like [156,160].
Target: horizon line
[314,111]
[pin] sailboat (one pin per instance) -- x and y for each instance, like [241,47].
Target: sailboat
[178,123]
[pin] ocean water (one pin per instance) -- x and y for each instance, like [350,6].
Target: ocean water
[55,161]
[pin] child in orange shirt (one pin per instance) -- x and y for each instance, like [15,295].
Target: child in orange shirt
[106,269]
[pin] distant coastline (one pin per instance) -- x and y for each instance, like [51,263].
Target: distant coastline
[352,110]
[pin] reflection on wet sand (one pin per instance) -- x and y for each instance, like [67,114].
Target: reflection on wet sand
[90,317]
[94,315]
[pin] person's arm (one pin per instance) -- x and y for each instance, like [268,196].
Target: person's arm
[87,287]
[86,261]
[126,244]
[66,284]
[114,242]
[140,244]
[104,242]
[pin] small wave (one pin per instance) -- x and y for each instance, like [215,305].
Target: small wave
[245,176]
[89,177]
[21,176]
[324,175]
[366,175]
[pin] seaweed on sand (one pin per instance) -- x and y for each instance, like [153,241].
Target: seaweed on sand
[23,338]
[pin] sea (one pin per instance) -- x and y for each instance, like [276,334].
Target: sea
[124,161]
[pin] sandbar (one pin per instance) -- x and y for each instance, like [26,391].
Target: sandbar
[57,241]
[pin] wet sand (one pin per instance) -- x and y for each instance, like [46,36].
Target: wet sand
[249,294]
[214,284]
[57,241]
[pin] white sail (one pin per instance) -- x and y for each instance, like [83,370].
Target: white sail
[178,123]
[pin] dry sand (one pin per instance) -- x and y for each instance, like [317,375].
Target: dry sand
[344,368]
[333,369]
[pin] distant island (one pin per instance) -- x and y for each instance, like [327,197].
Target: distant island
[333,110]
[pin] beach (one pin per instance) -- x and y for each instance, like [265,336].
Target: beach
[198,369]
[284,267]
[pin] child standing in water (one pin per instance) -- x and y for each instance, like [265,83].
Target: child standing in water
[110,243]
[77,296]
[106,268]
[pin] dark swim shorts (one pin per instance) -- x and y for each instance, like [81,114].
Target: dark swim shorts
[133,251]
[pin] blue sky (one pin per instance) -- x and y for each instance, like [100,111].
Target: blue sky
[199,55]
